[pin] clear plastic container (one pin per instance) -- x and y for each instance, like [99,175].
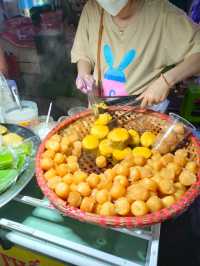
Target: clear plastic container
[174,133]
[27,116]
[74,110]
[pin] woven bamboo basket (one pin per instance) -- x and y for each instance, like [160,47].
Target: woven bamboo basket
[141,120]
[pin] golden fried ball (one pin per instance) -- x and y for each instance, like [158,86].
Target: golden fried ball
[192,167]
[52,145]
[179,129]
[79,176]
[166,186]
[135,173]
[139,208]
[87,204]
[154,204]
[180,160]
[179,193]
[46,164]
[168,173]
[187,178]
[73,167]
[68,179]
[93,180]
[71,159]
[56,137]
[123,180]
[62,169]
[168,201]
[74,199]
[122,206]
[48,154]
[110,173]
[178,185]
[149,184]
[122,170]
[62,190]
[181,153]
[117,191]
[166,159]
[146,172]
[101,161]
[139,160]
[105,182]
[107,209]
[84,189]
[102,196]
[157,165]
[175,167]
[73,187]
[137,192]
[59,158]
[52,183]
[51,173]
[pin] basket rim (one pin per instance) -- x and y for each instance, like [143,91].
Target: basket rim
[115,221]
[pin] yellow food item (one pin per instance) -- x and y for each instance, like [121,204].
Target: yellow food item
[149,184]
[103,119]
[74,199]
[168,201]
[105,182]
[180,160]
[93,180]
[175,167]
[146,172]
[166,159]
[62,190]
[122,206]
[142,151]
[154,204]
[59,158]
[48,154]
[187,178]
[168,173]
[62,169]
[137,192]
[110,173]
[3,130]
[52,145]
[101,161]
[123,180]
[73,167]
[179,128]
[135,137]
[192,167]
[135,174]
[87,204]
[118,135]
[107,209]
[122,170]
[71,159]
[84,189]
[181,153]
[56,137]
[139,160]
[102,196]
[117,191]
[46,164]
[68,179]
[52,183]
[179,193]
[166,186]
[51,173]
[90,142]
[120,155]
[99,131]
[105,148]
[178,186]
[147,139]
[12,139]
[139,208]
[79,176]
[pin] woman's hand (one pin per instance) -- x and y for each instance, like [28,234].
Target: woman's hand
[85,83]
[155,93]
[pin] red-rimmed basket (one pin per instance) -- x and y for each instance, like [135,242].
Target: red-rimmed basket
[141,120]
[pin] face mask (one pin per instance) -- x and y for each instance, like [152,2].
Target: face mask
[113,7]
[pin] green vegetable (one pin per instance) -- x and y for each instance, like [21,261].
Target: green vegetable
[7,177]
[21,160]
[25,148]
[6,159]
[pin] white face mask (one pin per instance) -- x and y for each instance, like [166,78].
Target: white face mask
[113,7]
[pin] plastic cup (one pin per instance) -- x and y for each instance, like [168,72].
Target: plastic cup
[74,110]
[175,132]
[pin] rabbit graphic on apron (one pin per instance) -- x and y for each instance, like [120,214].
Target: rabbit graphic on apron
[114,78]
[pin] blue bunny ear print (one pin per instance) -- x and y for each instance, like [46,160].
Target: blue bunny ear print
[108,55]
[128,58]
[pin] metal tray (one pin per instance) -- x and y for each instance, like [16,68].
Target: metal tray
[27,175]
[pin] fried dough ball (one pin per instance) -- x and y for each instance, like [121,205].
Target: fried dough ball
[187,178]
[117,191]
[166,159]
[84,189]
[139,160]
[122,170]
[52,183]
[100,131]
[105,182]
[179,193]
[123,180]
[62,190]
[179,129]
[52,145]
[166,186]
[192,167]
[71,159]
[157,178]
[62,169]
[48,154]
[146,172]
[181,153]
[68,179]
[74,199]
[73,137]
[73,167]
[168,201]
[59,158]
[101,161]
[156,155]
[175,167]
[110,173]
[168,173]
[129,160]
[46,164]
[178,185]
[164,148]
[97,208]
[122,206]
[87,204]
[137,192]
[64,148]
[93,180]
[171,139]
[157,165]
[154,204]
[135,174]
[107,209]
[65,140]
[56,137]
[73,187]
[50,174]
[76,153]
[102,196]
[149,184]
[77,145]
[139,208]
[180,160]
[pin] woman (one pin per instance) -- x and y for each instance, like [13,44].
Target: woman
[3,64]
[126,44]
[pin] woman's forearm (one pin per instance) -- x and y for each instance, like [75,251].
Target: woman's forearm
[3,64]
[84,68]
[186,69]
